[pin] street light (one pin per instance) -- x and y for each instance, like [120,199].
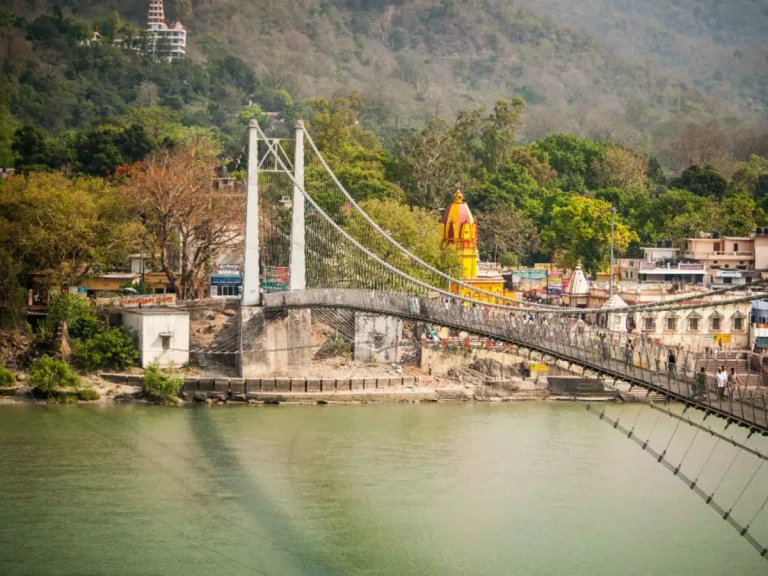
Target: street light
[610,272]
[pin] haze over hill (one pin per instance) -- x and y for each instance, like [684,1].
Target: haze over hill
[646,73]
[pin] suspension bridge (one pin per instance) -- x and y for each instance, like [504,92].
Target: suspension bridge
[331,256]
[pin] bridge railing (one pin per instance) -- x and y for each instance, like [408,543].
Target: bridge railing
[618,355]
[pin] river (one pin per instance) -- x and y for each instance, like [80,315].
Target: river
[493,489]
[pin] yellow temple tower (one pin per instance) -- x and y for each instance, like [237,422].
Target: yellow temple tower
[460,232]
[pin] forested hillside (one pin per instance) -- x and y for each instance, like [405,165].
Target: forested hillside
[423,58]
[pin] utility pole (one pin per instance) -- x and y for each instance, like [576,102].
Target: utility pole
[610,272]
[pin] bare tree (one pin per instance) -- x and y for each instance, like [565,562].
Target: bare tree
[190,224]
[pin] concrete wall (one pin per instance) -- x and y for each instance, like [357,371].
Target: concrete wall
[377,338]
[275,343]
[148,329]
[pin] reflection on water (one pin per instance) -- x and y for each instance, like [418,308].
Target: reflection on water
[399,489]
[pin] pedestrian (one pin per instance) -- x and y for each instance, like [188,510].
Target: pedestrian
[629,353]
[733,380]
[700,385]
[671,364]
[720,382]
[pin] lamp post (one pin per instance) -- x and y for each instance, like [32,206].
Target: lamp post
[610,272]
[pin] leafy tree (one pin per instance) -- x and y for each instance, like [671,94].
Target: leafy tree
[416,229]
[620,167]
[65,226]
[47,374]
[70,308]
[490,140]
[431,165]
[581,231]
[575,159]
[102,149]
[751,178]
[111,348]
[703,181]
[7,130]
[512,186]
[506,231]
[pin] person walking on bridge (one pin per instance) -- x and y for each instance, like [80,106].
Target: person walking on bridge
[671,364]
[721,379]
[733,380]
[700,385]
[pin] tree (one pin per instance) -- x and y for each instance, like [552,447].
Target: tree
[751,178]
[512,186]
[581,231]
[431,165]
[506,231]
[622,168]
[63,227]
[416,229]
[7,130]
[489,140]
[187,220]
[575,159]
[703,181]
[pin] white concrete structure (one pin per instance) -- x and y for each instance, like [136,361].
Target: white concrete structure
[168,42]
[616,321]
[577,293]
[162,334]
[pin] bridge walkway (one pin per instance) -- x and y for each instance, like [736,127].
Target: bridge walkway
[570,340]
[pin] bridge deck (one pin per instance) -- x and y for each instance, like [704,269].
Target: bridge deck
[570,341]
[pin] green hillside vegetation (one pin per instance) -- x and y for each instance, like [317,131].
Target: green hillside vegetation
[424,58]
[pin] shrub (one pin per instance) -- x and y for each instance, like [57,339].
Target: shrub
[84,327]
[7,378]
[161,383]
[111,348]
[47,374]
[69,308]
[88,394]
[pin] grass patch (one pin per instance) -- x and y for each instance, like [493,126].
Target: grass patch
[88,394]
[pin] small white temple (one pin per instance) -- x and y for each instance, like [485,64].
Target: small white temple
[577,293]
[617,321]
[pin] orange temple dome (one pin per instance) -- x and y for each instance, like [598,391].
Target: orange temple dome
[458,222]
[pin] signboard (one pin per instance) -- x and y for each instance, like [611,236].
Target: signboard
[691,266]
[228,270]
[276,279]
[148,300]
[529,274]
[728,274]
[722,338]
[226,280]
[647,266]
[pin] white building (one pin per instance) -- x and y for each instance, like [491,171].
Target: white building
[162,334]
[168,42]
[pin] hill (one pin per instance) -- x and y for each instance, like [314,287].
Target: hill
[423,58]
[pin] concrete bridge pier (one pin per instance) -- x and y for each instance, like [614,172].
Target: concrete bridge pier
[274,343]
[378,338]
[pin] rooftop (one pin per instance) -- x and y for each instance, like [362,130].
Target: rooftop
[159,311]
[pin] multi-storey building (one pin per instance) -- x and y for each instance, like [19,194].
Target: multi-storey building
[167,42]
[727,259]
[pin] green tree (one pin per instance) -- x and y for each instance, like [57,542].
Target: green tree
[581,231]
[416,229]
[506,231]
[111,348]
[703,181]
[575,159]
[62,227]
[47,374]
[431,165]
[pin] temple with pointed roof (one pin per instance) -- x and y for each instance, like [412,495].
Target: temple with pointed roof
[460,232]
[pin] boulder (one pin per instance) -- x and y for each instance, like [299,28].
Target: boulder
[200,396]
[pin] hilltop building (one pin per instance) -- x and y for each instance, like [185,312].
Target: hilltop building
[460,232]
[167,42]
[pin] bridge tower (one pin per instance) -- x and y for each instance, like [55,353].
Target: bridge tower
[273,344]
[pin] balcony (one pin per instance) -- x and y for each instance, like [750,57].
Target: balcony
[740,255]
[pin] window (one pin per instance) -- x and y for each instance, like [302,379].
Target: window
[166,341]
[738,323]
[693,324]
[716,324]
[671,324]
[229,291]
[735,247]
[650,324]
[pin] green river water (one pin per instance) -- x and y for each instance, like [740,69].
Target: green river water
[492,489]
